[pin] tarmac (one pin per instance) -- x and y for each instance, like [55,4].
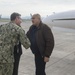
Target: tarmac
[62,60]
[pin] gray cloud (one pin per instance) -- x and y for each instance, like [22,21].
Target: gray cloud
[32,6]
[56,2]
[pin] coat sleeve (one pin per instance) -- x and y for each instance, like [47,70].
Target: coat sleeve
[49,40]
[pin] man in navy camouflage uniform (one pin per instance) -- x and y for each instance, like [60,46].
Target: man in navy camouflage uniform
[10,35]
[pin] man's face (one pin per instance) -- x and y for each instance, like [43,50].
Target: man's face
[18,20]
[35,20]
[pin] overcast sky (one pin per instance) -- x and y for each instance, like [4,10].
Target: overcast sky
[43,7]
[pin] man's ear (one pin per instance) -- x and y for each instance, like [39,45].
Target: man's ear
[15,20]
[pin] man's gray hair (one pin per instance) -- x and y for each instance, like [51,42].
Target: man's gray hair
[36,15]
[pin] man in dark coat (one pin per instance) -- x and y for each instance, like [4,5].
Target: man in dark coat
[42,43]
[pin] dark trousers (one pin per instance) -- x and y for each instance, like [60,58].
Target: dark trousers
[39,64]
[16,64]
